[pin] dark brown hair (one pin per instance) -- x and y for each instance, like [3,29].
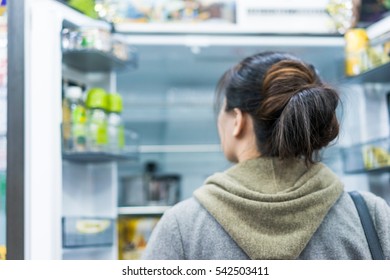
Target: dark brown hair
[293,111]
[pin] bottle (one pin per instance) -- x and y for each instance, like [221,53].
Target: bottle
[87,7]
[356,46]
[74,120]
[116,135]
[97,119]
[150,189]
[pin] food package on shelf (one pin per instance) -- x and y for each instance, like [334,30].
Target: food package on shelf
[3,252]
[356,51]
[362,53]
[370,156]
[297,16]
[134,233]
[167,11]
[378,52]
[78,232]
[375,156]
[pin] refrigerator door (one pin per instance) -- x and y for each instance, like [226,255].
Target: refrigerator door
[57,191]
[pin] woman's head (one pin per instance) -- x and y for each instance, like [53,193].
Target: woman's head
[274,104]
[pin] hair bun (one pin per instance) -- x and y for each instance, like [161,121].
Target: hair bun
[293,75]
[293,112]
[281,82]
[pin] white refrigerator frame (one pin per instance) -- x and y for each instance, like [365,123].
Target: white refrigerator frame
[43,154]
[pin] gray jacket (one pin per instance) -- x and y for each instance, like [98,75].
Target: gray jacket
[188,231]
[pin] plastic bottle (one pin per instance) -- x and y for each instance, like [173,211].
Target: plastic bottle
[356,46]
[97,119]
[74,120]
[116,136]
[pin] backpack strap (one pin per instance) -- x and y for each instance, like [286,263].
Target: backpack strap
[368,226]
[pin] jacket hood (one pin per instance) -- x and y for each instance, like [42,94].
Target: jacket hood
[271,208]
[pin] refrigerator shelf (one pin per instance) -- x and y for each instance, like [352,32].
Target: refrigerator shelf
[143,210]
[198,148]
[373,156]
[79,232]
[210,28]
[98,157]
[85,147]
[93,60]
[379,74]
[374,170]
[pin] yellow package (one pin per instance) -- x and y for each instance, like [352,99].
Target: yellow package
[134,233]
[356,42]
[3,252]
[375,157]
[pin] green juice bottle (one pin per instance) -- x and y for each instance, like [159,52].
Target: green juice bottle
[116,133]
[97,120]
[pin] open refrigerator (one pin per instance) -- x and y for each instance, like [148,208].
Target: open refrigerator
[103,205]
[71,196]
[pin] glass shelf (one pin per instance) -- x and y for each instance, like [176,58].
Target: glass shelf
[210,28]
[85,147]
[142,210]
[207,148]
[93,60]
[80,232]
[98,157]
[373,170]
[370,157]
[380,74]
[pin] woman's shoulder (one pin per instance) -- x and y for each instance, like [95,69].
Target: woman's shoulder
[376,205]
[373,199]
[341,235]
[379,210]
[186,210]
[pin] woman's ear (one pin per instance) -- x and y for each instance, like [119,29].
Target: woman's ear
[239,122]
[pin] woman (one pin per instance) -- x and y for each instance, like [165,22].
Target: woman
[278,201]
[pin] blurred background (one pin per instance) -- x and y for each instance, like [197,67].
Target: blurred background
[109,119]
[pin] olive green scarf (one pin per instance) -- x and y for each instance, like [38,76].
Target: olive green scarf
[271,208]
